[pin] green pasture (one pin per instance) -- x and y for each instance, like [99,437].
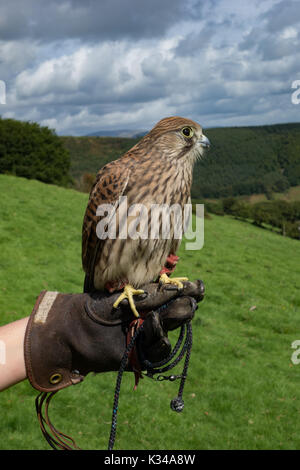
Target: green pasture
[242,390]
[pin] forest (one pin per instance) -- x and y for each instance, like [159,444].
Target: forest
[249,160]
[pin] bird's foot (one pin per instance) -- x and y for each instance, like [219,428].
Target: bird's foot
[176,281]
[128,294]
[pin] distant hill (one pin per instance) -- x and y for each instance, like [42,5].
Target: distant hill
[119,133]
[89,154]
[249,160]
[241,161]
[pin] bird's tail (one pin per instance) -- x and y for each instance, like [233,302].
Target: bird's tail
[88,285]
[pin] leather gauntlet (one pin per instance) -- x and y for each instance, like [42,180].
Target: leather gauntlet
[70,335]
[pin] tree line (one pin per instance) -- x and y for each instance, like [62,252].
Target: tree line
[279,215]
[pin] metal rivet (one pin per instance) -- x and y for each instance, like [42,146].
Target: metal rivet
[55,378]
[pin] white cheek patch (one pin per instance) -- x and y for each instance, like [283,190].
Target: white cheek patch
[44,307]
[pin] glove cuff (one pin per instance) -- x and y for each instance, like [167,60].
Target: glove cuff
[48,359]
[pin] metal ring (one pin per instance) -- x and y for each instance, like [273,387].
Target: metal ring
[55,378]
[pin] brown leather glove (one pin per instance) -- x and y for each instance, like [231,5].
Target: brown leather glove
[70,335]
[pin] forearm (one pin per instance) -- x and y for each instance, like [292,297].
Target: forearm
[12,364]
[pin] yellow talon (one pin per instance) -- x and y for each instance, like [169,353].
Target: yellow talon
[128,294]
[164,279]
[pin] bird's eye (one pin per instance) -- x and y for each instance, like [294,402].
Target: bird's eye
[187,132]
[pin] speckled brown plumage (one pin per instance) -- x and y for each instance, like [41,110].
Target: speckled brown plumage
[157,170]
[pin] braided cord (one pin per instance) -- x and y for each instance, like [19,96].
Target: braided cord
[152,365]
[123,364]
[177,404]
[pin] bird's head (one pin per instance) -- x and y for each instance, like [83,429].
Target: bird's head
[180,138]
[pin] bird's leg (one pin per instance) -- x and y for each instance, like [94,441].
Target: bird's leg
[168,268]
[177,281]
[128,294]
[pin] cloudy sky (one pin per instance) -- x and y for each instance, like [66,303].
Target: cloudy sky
[79,66]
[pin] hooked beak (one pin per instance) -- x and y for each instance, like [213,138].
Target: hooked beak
[204,142]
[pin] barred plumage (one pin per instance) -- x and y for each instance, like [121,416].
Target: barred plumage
[157,170]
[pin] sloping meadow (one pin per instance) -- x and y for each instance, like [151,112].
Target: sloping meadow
[242,390]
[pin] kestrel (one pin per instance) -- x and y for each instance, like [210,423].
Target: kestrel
[157,170]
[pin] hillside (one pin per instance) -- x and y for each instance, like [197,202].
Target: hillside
[249,160]
[89,154]
[242,391]
[241,161]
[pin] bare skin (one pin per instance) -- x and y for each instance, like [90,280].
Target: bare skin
[12,363]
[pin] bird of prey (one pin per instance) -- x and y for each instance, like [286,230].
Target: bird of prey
[157,170]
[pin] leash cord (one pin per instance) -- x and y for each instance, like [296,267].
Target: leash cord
[123,364]
[177,404]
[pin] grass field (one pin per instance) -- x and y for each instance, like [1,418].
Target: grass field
[290,195]
[242,390]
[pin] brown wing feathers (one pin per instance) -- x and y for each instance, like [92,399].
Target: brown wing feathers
[110,184]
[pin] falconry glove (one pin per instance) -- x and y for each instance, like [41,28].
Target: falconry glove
[70,335]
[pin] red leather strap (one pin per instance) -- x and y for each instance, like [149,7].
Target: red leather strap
[133,356]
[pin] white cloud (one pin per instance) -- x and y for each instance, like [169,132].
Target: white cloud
[221,63]
[289,33]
